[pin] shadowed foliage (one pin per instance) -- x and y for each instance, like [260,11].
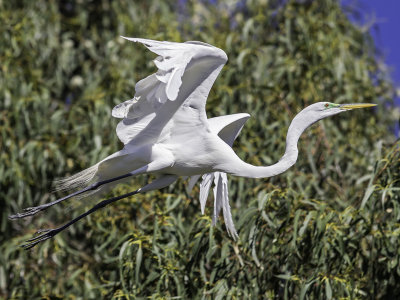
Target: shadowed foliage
[326,229]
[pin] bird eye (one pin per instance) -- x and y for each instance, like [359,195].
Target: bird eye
[326,105]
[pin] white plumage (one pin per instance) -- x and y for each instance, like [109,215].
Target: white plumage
[166,132]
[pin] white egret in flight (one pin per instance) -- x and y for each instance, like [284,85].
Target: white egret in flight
[166,132]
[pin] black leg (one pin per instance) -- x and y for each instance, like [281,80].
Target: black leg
[49,233]
[30,211]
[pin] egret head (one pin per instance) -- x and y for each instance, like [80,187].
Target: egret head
[321,110]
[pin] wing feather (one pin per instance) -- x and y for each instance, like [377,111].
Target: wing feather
[186,73]
[204,189]
[228,128]
[166,84]
[172,62]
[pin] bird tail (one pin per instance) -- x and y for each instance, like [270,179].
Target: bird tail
[76,181]
[112,166]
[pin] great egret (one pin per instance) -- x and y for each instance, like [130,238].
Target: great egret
[166,132]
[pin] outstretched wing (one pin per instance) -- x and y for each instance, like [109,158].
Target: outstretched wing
[186,72]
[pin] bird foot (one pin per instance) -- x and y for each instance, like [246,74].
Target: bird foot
[30,211]
[46,234]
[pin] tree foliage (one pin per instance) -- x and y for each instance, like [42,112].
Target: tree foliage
[327,228]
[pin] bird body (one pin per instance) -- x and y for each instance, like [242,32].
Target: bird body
[165,131]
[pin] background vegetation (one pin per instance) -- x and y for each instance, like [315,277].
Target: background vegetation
[326,229]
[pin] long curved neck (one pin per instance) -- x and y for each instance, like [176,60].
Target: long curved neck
[295,130]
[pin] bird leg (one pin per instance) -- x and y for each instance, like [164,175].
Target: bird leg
[30,211]
[158,183]
[49,233]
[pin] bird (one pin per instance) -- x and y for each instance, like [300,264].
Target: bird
[165,132]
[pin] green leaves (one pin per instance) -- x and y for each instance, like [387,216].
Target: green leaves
[327,228]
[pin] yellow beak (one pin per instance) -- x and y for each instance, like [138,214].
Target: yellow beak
[357,105]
